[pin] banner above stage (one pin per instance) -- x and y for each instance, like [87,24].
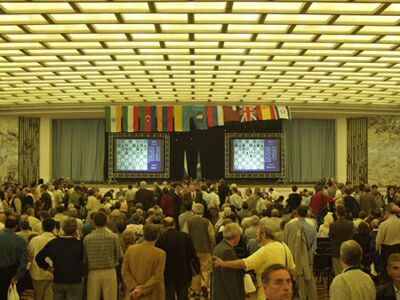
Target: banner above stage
[177,117]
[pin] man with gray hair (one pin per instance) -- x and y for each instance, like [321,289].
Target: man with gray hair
[202,233]
[391,291]
[228,283]
[388,237]
[352,283]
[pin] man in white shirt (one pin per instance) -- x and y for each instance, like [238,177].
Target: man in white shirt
[42,280]
[352,283]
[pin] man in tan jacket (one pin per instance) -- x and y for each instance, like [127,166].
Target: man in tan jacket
[143,267]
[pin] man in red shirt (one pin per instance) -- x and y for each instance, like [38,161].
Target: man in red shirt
[318,203]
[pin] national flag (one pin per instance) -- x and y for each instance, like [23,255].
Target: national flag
[198,166]
[185,166]
[136,113]
[268,113]
[142,114]
[113,118]
[231,114]
[159,115]
[178,118]
[283,112]
[199,117]
[153,119]
[168,118]
[128,116]
[186,112]
[248,113]
[215,116]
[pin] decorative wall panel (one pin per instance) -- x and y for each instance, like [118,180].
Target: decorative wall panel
[384,150]
[8,149]
[29,132]
[357,149]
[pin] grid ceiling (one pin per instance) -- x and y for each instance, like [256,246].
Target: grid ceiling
[298,53]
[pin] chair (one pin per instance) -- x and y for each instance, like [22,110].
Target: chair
[324,246]
[323,267]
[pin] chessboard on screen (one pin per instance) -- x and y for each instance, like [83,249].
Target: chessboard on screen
[254,155]
[146,155]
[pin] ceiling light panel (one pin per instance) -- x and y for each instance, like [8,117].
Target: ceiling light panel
[84,18]
[191,7]
[115,7]
[267,7]
[297,19]
[343,8]
[36,7]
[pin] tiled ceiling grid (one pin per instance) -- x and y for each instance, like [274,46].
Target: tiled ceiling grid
[299,53]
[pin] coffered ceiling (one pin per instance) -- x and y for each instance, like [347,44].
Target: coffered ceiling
[320,54]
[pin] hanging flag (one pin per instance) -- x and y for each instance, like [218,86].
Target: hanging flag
[136,113]
[159,116]
[215,116]
[142,116]
[199,117]
[248,113]
[113,118]
[168,118]
[153,118]
[283,112]
[186,113]
[231,114]
[149,118]
[185,165]
[268,113]
[127,119]
[178,118]
[198,166]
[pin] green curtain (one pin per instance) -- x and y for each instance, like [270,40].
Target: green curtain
[310,149]
[78,149]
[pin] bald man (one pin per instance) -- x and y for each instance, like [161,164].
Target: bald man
[180,250]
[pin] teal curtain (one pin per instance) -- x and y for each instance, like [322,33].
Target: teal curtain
[78,149]
[310,149]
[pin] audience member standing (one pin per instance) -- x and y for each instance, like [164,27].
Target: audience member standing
[102,254]
[277,283]
[66,253]
[352,283]
[130,196]
[294,200]
[319,203]
[367,200]
[143,268]
[341,230]
[167,203]
[301,238]
[13,256]
[179,249]
[391,291]
[223,191]
[271,252]
[388,237]
[45,198]
[227,284]
[144,196]
[202,233]
[42,280]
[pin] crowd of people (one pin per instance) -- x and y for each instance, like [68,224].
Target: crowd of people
[195,239]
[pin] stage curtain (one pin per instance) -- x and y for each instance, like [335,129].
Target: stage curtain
[78,149]
[310,149]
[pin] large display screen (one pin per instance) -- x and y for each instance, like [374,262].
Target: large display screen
[138,155]
[256,155]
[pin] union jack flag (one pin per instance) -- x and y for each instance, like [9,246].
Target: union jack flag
[248,113]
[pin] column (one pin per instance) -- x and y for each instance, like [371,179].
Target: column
[341,149]
[45,155]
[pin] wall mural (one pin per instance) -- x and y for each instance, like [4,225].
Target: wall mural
[383,150]
[8,149]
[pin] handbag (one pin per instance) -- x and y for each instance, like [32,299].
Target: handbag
[12,292]
[249,286]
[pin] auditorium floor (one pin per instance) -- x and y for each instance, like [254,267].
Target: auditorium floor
[323,294]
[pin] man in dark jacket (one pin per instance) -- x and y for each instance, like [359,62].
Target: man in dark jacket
[340,231]
[391,291]
[227,284]
[144,196]
[180,251]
